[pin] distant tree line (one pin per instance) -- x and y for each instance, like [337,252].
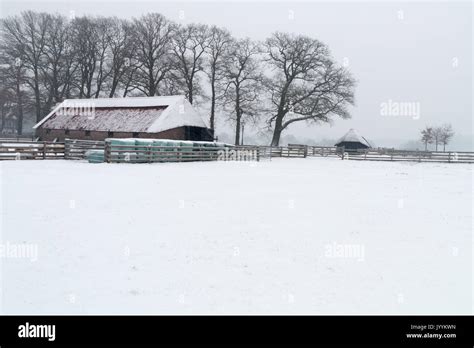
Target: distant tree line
[437,135]
[46,58]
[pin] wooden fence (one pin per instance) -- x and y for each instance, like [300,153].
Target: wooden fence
[77,149]
[149,153]
[18,139]
[324,151]
[409,156]
[31,150]
[298,151]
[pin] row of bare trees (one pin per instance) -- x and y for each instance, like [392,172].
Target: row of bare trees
[46,58]
[441,135]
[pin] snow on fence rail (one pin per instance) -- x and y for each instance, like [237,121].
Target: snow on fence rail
[409,156]
[31,150]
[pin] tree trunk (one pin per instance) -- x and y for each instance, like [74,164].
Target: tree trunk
[115,81]
[151,83]
[20,106]
[276,137]
[277,131]
[190,93]
[213,101]
[280,115]
[37,96]
[237,130]
[3,119]
[238,115]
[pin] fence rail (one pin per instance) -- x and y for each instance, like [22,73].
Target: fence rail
[31,150]
[297,151]
[18,139]
[77,149]
[409,156]
[149,153]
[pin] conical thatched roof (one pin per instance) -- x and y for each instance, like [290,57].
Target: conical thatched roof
[353,137]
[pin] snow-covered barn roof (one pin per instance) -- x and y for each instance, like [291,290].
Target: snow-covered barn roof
[132,114]
[353,137]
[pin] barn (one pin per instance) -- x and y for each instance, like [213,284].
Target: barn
[163,117]
[353,141]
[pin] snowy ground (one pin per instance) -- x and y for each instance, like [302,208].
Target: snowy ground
[313,235]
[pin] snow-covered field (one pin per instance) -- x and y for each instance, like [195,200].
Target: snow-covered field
[313,235]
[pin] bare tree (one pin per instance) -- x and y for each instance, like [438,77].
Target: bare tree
[57,66]
[306,84]
[219,42]
[121,53]
[6,99]
[26,35]
[104,39]
[129,77]
[427,136]
[85,43]
[152,36]
[14,77]
[447,134]
[190,44]
[243,78]
[15,97]
[437,135]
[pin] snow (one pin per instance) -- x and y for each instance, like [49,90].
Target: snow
[126,102]
[353,137]
[180,113]
[17,145]
[314,235]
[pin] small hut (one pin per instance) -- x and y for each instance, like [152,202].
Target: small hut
[353,141]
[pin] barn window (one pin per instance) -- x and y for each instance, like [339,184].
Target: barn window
[135,134]
[88,133]
[110,134]
[67,132]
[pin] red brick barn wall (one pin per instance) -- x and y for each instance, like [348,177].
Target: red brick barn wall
[60,134]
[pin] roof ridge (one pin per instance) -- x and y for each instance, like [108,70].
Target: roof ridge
[122,98]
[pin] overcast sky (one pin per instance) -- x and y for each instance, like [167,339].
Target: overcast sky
[401,52]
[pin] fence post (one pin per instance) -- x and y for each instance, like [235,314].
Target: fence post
[343,151]
[44,149]
[365,154]
[66,155]
[149,154]
[107,152]
[305,153]
[449,157]
[391,154]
